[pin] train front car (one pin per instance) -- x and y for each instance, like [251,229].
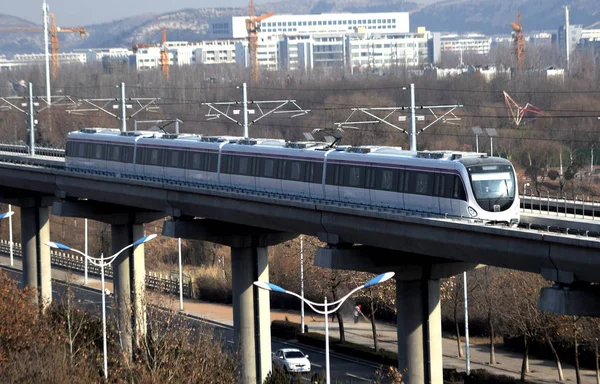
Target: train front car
[494,196]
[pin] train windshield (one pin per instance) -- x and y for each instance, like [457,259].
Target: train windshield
[494,186]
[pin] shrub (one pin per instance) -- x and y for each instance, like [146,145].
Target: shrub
[286,330]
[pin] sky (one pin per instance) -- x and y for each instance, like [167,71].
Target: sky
[75,13]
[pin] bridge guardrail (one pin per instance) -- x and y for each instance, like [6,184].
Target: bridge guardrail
[39,150]
[76,262]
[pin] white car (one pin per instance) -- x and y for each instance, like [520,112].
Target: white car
[291,359]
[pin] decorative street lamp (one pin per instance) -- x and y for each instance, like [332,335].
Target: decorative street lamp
[9,214]
[102,262]
[326,311]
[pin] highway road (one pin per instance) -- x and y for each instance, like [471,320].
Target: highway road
[343,369]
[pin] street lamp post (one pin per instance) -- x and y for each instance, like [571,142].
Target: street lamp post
[301,285]
[325,305]
[102,262]
[180,276]
[10,237]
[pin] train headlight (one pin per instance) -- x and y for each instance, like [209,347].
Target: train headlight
[472,212]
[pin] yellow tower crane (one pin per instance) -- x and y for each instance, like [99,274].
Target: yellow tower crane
[253,27]
[53,31]
[164,55]
[518,42]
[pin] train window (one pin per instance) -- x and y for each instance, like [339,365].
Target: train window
[296,170]
[243,168]
[334,174]
[314,173]
[80,149]
[115,153]
[369,178]
[155,157]
[174,159]
[420,183]
[140,156]
[281,167]
[459,190]
[127,154]
[330,174]
[386,179]
[211,163]
[356,177]
[227,164]
[197,160]
[443,185]
[70,148]
[268,168]
[99,151]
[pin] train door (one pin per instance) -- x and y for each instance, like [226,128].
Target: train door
[418,192]
[443,190]
[459,197]
[385,187]
[333,176]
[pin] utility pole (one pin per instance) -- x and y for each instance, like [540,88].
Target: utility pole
[245,107]
[567,41]
[447,117]
[467,349]
[105,105]
[413,119]
[302,286]
[123,107]
[47,54]
[216,110]
[26,104]
[31,123]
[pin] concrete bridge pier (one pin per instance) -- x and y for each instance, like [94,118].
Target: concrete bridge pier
[249,263]
[129,269]
[419,330]
[35,232]
[417,300]
[129,274]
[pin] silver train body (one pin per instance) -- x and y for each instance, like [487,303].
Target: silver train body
[446,183]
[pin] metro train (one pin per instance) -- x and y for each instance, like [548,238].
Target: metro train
[446,183]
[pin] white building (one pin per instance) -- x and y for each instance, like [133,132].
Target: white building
[187,53]
[98,54]
[215,52]
[355,50]
[470,43]
[385,50]
[575,31]
[266,53]
[234,27]
[590,34]
[38,58]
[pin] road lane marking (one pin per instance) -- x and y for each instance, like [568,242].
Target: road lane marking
[316,365]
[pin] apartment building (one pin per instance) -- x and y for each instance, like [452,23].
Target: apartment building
[469,43]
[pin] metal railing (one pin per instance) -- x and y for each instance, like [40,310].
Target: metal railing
[584,207]
[20,148]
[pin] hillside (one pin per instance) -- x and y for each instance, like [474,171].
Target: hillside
[484,16]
